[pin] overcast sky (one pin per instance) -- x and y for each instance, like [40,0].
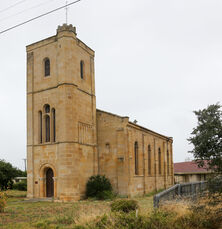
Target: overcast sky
[156,61]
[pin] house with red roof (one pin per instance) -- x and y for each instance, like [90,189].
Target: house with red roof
[189,171]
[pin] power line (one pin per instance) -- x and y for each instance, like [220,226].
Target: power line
[42,15]
[66,12]
[9,7]
[33,7]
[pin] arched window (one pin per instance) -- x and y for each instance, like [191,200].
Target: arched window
[47,66]
[47,124]
[159,155]
[40,127]
[47,128]
[149,160]
[54,124]
[82,69]
[136,158]
[47,108]
[168,163]
[107,148]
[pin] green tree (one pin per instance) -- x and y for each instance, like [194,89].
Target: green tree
[7,174]
[207,137]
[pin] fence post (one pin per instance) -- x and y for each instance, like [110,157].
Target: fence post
[156,201]
[179,190]
[192,189]
[201,186]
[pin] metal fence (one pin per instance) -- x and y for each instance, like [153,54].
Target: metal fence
[179,190]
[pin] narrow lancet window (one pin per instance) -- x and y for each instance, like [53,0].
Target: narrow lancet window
[47,128]
[168,163]
[40,127]
[47,66]
[149,160]
[54,124]
[159,154]
[82,69]
[136,158]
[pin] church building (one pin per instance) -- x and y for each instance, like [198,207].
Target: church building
[69,140]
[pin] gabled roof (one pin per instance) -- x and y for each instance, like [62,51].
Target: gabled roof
[189,167]
[136,125]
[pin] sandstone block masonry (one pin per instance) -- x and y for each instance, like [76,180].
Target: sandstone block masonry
[68,140]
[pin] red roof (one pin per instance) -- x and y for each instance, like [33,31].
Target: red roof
[189,167]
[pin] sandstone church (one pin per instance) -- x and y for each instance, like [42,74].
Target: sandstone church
[69,140]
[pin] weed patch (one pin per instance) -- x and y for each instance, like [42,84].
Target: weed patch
[2,201]
[124,205]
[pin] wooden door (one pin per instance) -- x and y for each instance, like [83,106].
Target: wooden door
[49,183]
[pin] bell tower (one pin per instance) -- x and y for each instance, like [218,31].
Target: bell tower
[61,116]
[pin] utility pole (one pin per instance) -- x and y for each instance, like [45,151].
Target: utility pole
[25,162]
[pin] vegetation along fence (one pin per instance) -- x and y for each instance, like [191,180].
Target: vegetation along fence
[186,189]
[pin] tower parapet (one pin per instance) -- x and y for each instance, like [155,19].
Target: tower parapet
[66,28]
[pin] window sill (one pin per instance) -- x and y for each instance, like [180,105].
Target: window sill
[46,143]
[47,77]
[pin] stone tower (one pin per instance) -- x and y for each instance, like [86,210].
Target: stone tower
[61,116]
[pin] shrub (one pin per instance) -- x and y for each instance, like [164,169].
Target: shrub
[2,201]
[162,219]
[130,221]
[21,186]
[215,184]
[106,195]
[98,186]
[124,206]
[103,222]
[207,213]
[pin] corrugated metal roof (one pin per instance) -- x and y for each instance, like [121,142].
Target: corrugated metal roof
[189,167]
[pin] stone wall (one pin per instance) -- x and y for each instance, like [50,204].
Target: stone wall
[73,156]
[116,145]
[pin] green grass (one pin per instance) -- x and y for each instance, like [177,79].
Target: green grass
[154,192]
[15,195]
[19,214]
[94,214]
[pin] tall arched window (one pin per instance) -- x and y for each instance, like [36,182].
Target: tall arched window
[47,66]
[168,163]
[159,157]
[136,158]
[47,124]
[149,160]
[54,124]
[46,110]
[82,69]
[40,126]
[47,128]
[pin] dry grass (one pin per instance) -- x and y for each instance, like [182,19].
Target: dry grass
[20,214]
[204,214]
[90,212]
[179,208]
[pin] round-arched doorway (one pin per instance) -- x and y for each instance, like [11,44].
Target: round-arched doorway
[49,183]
